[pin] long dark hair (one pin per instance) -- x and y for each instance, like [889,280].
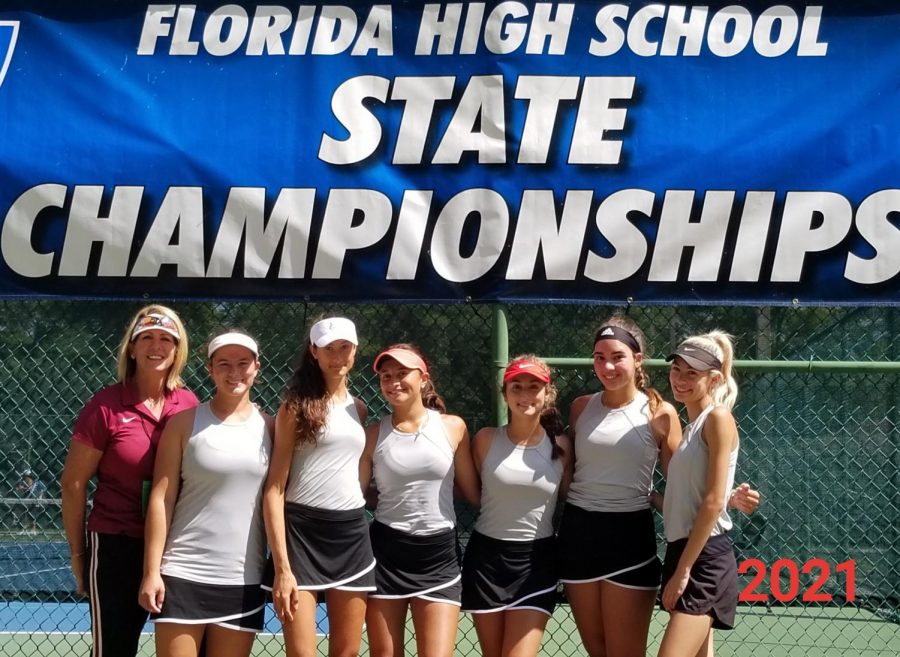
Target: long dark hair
[430,397]
[307,398]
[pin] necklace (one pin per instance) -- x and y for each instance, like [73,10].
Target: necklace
[618,406]
[419,425]
[154,408]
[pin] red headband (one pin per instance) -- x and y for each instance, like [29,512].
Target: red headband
[527,366]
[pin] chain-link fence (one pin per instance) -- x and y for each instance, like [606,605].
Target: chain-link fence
[819,439]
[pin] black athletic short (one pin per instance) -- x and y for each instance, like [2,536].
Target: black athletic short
[238,607]
[713,586]
[618,547]
[416,566]
[327,549]
[503,575]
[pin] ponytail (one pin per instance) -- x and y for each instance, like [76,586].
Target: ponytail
[642,381]
[431,399]
[553,424]
[719,344]
[727,391]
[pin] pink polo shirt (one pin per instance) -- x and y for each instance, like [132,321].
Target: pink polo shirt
[116,422]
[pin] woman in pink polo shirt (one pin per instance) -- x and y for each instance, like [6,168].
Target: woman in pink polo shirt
[115,441]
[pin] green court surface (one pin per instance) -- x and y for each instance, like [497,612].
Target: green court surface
[781,632]
[816,632]
[778,632]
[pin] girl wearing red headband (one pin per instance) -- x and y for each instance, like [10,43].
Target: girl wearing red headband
[509,571]
[415,455]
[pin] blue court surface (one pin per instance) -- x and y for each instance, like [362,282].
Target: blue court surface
[35,575]
[73,617]
[29,569]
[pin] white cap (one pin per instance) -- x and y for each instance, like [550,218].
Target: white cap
[228,339]
[328,330]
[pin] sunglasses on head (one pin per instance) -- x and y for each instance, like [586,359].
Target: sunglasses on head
[156,320]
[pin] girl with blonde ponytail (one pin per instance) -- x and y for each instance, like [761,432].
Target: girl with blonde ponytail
[726,393]
[699,572]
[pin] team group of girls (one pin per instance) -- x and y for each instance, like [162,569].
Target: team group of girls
[229,480]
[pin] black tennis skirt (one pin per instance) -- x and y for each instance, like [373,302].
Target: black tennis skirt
[503,575]
[712,589]
[611,546]
[414,566]
[239,607]
[327,549]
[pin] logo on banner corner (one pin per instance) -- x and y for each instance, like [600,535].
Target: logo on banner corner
[9,30]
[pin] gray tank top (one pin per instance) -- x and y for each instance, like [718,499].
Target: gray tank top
[325,474]
[686,483]
[414,473]
[615,454]
[519,488]
[217,534]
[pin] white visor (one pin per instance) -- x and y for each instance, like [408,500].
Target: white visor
[227,339]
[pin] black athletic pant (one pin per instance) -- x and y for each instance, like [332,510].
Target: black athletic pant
[115,566]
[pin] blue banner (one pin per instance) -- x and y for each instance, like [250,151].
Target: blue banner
[586,151]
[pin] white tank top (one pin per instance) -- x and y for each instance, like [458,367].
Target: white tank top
[686,483]
[217,534]
[325,474]
[413,473]
[615,454]
[519,488]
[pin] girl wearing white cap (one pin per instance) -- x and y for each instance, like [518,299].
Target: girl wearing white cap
[618,434]
[114,441]
[205,541]
[509,570]
[415,455]
[700,588]
[314,508]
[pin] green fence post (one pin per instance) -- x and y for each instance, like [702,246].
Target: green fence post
[500,352]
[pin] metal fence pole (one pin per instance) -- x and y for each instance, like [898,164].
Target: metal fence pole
[760,365]
[500,353]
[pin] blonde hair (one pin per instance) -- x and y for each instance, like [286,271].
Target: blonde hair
[719,344]
[125,367]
